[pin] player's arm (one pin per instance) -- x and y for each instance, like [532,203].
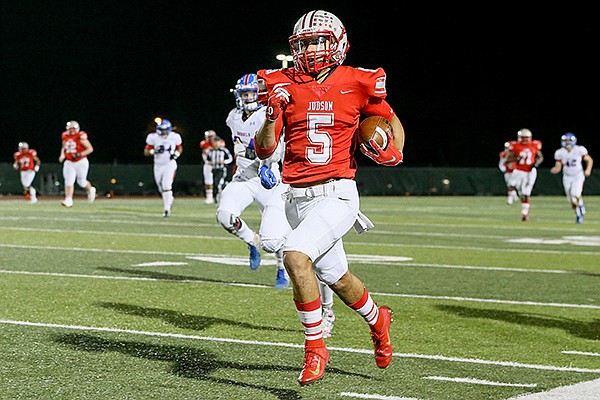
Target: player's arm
[62,156]
[177,153]
[557,167]
[87,147]
[148,150]
[378,106]
[539,158]
[37,163]
[589,162]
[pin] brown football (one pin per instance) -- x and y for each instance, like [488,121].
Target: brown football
[374,127]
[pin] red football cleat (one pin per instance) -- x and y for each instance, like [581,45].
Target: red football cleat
[382,339]
[315,360]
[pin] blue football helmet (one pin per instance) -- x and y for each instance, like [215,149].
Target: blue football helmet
[246,93]
[164,127]
[568,140]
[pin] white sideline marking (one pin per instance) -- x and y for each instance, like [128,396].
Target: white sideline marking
[375,396]
[354,257]
[574,240]
[581,353]
[410,296]
[589,390]
[358,258]
[158,264]
[528,303]
[300,346]
[479,381]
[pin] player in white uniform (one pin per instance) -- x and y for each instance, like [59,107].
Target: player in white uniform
[245,186]
[570,158]
[260,181]
[166,146]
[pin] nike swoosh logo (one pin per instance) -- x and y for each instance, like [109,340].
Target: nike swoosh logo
[317,370]
[346,91]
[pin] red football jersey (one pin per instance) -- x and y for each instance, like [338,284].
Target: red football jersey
[206,145]
[321,119]
[72,144]
[510,166]
[25,159]
[526,154]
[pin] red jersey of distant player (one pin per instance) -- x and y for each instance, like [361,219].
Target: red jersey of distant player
[321,119]
[525,153]
[510,166]
[25,159]
[206,145]
[73,145]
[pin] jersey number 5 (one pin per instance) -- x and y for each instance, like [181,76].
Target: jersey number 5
[319,152]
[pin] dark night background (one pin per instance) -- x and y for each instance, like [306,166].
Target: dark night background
[463,80]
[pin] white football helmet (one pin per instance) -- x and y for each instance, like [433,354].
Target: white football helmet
[209,134]
[524,135]
[23,146]
[326,36]
[72,124]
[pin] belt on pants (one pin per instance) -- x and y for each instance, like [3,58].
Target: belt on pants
[324,189]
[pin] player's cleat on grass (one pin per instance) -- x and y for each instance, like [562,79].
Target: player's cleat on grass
[33,200]
[282,281]
[167,214]
[328,322]
[524,217]
[579,219]
[254,257]
[382,339]
[67,203]
[209,200]
[315,361]
[91,195]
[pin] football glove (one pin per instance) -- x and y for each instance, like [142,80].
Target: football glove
[36,168]
[277,103]
[175,155]
[268,180]
[389,157]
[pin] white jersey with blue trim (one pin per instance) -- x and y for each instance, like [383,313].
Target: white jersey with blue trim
[572,161]
[244,132]
[164,146]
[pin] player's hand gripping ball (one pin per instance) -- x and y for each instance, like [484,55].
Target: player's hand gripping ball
[376,141]
[376,128]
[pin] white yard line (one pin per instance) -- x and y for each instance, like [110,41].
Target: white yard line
[581,353]
[290,345]
[479,381]
[589,390]
[412,296]
[374,396]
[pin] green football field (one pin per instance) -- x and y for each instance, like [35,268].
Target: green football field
[111,301]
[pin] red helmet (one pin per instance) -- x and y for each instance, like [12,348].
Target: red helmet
[319,41]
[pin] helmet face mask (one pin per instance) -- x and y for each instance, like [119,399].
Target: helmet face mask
[164,127]
[23,146]
[246,93]
[568,140]
[72,125]
[319,41]
[524,136]
[209,134]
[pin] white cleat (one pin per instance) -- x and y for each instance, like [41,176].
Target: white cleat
[33,200]
[91,195]
[67,203]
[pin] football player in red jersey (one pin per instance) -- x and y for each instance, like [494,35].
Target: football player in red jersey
[28,162]
[319,103]
[527,153]
[73,154]
[507,169]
